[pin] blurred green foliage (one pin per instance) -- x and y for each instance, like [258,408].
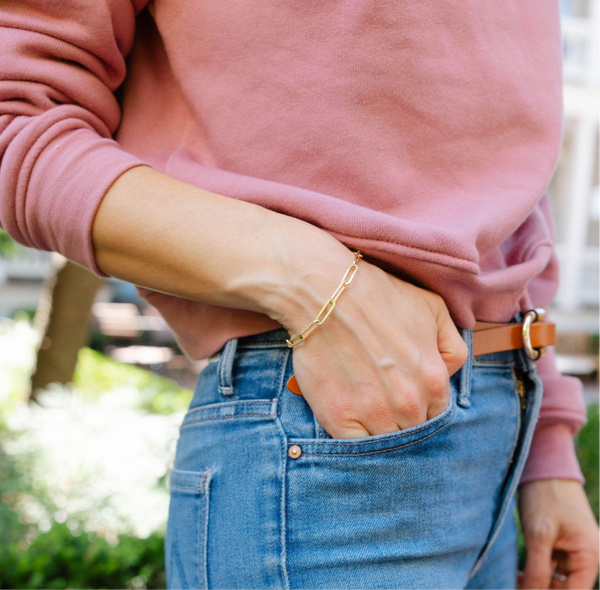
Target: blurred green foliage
[588,453]
[96,373]
[11,483]
[8,247]
[60,558]
[60,555]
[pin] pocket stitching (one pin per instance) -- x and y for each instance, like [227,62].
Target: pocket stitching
[226,404]
[228,416]
[451,405]
[378,451]
[199,488]
[201,492]
[271,413]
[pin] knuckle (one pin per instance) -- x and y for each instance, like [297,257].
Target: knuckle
[540,530]
[338,413]
[436,381]
[377,407]
[412,408]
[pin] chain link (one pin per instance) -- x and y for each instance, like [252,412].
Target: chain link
[328,307]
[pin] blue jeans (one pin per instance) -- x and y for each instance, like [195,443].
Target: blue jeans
[431,506]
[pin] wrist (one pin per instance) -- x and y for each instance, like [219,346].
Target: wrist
[307,278]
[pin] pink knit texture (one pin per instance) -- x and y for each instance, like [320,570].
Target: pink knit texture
[423,133]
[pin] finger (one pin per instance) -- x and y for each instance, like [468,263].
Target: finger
[560,567]
[436,383]
[580,566]
[538,563]
[380,415]
[451,346]
[582,579]
[347,431]
[338,417]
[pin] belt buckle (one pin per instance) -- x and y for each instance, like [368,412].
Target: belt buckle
[532,316]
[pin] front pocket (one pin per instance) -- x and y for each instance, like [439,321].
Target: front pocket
[379,443]
[187,529]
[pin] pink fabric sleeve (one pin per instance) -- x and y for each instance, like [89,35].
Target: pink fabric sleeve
[563,412]
[61,63]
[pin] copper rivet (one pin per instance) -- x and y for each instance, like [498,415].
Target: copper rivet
[294,451]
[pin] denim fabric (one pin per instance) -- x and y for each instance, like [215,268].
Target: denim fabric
[431,506]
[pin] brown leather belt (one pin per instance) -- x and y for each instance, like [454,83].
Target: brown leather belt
[533,334]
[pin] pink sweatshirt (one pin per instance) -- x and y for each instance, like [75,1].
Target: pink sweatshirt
[423,133]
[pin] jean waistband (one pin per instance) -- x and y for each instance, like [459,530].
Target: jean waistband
[277,338]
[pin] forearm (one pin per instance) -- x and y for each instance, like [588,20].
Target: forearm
[170,236]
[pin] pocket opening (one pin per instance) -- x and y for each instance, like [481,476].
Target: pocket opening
[378,443]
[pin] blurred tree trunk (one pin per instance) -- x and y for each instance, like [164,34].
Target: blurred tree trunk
[62,317]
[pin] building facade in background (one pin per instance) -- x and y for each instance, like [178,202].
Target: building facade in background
[574,187]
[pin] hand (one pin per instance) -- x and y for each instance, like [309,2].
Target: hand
[559,529]
[382,360]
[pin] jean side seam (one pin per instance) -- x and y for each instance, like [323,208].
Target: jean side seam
[204,553]
[283,474]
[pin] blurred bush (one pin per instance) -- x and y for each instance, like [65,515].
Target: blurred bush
[61,559]
[83,497]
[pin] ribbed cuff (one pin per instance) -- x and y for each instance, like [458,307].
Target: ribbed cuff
[552,455]
[68,181]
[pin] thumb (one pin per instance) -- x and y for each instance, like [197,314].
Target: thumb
[538,563]
[451,346]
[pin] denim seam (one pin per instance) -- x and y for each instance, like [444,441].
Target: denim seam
[226,360]
[443,415]
[199,488]
[274,344]
[226,404]
[195,489]
[466,371]
[283,508]
[206,484]
[375,452]
[270,415]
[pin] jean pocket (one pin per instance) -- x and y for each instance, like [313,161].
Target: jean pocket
[187,529]
[379,443]
[250,409]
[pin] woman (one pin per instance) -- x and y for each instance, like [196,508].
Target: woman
[259,143]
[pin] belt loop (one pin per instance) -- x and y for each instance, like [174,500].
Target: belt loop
[226,368]
[466,370]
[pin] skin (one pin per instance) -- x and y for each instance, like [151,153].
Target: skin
[169,236]
[559,529]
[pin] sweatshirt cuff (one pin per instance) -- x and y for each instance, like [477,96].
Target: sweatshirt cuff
[552,455]
[68,181]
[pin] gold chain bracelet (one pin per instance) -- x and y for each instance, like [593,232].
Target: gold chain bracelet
[328,307]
